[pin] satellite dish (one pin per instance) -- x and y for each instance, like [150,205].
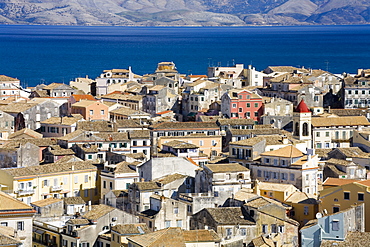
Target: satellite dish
[318,215]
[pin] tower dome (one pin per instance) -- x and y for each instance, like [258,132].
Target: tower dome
[302,107]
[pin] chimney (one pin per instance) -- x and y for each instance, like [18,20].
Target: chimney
[285,139]
[89,205]
[142,180]
[73,167]
[257,187]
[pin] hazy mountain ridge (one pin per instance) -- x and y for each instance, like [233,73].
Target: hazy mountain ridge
[184,12]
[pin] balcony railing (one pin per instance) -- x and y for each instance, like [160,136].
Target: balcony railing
[21,192]
[45,243]
[56,188]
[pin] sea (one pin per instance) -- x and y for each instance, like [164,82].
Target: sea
[46,54]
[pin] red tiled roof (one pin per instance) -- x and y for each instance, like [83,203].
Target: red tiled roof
[79,97]
[338,181]
[302,107]
[164,112]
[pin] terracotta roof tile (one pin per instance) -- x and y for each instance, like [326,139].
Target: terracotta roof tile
[168,237]
[231,167]
[73,200]
[46,202]
[7,78]
[288,151]
[230,216]
[338,181]
[8,203]
[79,97]
[339,121]
[185,125]
[176,144]
[98,211]
[353,239]
[49,168]
[130,229]
[27,131]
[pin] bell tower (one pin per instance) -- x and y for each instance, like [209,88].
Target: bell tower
[302,122]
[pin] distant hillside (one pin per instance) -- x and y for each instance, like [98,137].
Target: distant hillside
[184,12]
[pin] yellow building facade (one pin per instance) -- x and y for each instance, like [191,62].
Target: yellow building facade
[342,197]
[30,184]
[210,145]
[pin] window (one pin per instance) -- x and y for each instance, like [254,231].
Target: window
[104,184]
[335,210]
[76,179]
[176,210]
[335,225]
[318,145]
[234,105]
[86,192]
[102,112]
[229,231]
[264,229]
[248,104]
[89,156]
[259,173]
[280,229]
[275,162]
[240,96]
[4,224]
[86,178]
[346,196]
[91,112]
[317,134]
[256,105]
[110,185]
[327,133]
[201,143]
[243,231]
[179,223]
[168,223]
[240,109]
[360,196]
[20,225]
[327,144]
[305,210]
[292,178]
[273,228]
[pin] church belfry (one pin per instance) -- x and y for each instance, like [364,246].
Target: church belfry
[302,122]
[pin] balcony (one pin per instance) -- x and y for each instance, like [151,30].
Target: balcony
[22,192]
[44,242]
[55,188]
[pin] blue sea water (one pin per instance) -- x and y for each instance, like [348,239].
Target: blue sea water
[48,54]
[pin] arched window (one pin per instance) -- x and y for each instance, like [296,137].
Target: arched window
[296,133]
[305,129]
